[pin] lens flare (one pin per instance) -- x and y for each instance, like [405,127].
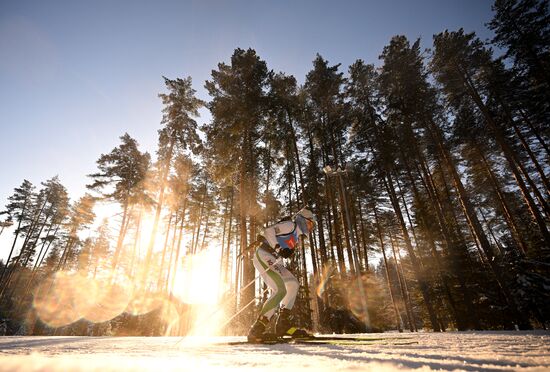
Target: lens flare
[62,300]
[170,316]
[143,303]
[357,299]
[68,297]
[110,301]
[326,275]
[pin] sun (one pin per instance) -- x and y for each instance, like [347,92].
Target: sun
[198,280]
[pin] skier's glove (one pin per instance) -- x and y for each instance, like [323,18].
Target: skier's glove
[285,252]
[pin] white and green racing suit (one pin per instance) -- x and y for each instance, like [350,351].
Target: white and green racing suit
[279,240]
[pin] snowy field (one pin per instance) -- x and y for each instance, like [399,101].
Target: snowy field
[469,351]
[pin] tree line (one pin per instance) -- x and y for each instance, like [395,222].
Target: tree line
[428,176]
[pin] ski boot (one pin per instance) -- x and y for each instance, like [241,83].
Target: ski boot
[257,334]
[284,327]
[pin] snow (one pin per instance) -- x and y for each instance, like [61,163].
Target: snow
[455,351]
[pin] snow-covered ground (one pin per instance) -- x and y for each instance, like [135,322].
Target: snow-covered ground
[469,351]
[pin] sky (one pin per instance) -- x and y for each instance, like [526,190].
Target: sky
[76,75]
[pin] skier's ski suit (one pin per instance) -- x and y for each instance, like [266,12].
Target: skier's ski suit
[280,240]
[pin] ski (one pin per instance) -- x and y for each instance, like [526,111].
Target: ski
[333,340]
[353,338]
[349,341]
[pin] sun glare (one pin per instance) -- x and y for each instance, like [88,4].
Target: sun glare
[198,281]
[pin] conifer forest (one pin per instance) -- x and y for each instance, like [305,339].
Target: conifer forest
[428,172]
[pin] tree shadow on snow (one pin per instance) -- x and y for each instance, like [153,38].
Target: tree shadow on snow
[17,343]
[468,364]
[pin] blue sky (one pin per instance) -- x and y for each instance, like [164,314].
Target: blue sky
[75,75]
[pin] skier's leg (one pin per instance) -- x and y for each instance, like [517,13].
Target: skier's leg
[286,323]
[291,285]
[270,272]
[264,262]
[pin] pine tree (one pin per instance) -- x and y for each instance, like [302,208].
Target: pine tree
[178,134]
[18,208]
[45,204]
[323,125]
[122,178]
[57,212]
[81,215]
[522,28]
[458,60]
[238,109]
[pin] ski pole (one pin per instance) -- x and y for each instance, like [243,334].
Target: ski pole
[230,319]
[241,310]
[241,257]
[257,276]
[277,261]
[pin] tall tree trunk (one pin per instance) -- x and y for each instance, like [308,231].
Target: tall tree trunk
[454,227]
[344,214]
[335,239]
[323,259]
[508,215]
[527,148]
[30,233]
[206,230]
[444,278]
[289,192]
[121,234]
[224,252]
[536,134]
[355,232]
[404,289]
[398,319]
[39,260]
[137,237]
[478,231]
[165,246]
[407,214]
[44,244]
[399,266]
[17,231]
[71,240]
[172,276]
[363,234]
[414,260]
[463,259]
[172,247]
[201,212]
[226,263]
[509,154]
[164,175]
[248,295]
[491,233]
[319,203]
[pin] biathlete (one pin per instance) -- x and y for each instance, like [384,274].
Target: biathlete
[279,241]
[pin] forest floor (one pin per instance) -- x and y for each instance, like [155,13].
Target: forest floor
[456,351]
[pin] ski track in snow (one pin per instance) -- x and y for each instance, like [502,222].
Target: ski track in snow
[454,351]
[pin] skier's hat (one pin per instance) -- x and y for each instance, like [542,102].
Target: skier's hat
[304,212]
[305,220]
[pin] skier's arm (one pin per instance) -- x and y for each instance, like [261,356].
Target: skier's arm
[269,235]
[270,238]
